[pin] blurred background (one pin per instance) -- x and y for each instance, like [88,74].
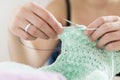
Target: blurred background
[6,8]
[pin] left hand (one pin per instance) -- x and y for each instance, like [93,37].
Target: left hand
[107,32]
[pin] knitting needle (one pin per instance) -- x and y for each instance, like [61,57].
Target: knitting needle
[83,27]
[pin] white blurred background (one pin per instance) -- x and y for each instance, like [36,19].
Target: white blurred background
[6,8]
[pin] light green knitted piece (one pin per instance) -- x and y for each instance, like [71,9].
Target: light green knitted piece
[81,60]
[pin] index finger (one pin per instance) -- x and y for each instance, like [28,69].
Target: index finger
[98,22]
[47,17]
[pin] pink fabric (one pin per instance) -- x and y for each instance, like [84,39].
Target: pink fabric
[21,75]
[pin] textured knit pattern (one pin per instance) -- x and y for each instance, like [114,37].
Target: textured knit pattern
[81,60]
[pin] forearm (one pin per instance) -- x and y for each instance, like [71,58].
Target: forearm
[39,31]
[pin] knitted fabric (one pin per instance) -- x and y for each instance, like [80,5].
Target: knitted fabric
[81,60]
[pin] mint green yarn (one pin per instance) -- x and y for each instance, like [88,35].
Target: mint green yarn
[81,60]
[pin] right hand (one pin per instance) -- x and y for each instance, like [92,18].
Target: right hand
[43,23]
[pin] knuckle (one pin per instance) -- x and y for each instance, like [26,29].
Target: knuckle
[102,19]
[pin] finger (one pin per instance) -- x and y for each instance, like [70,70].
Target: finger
[109,37]
[21,22]
[114,46]
[37,33]
[46,16]
[105,28]
[98,22]
[41,25]
[33,30]
[19,29]
[23,35]
[48,31]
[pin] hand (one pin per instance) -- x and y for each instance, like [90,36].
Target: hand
[43,24]
[107,32]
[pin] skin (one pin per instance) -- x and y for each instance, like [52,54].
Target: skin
[45,27]
[22,54]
